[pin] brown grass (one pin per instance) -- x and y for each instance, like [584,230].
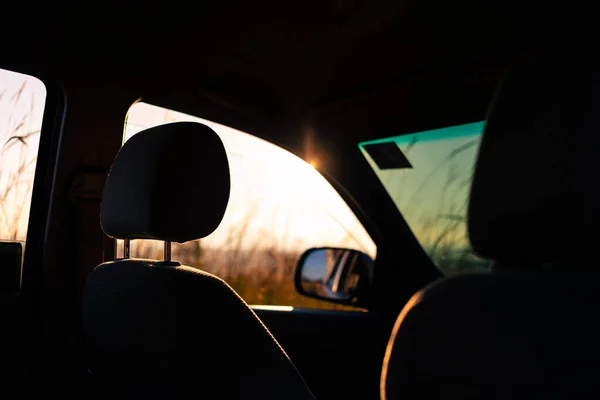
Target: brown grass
[260,276]
[446,241]
[17,177]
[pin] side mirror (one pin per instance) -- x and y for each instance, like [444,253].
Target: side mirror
[11,257]
[337,275]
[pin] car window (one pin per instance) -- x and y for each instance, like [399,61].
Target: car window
[279,207]
[22,100]
[428,176]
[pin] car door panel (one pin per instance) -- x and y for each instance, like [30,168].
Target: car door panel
[339,353]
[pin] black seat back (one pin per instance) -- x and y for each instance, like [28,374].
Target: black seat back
[156,329]
[526,330]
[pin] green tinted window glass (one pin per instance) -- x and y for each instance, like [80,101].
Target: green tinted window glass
[429,180]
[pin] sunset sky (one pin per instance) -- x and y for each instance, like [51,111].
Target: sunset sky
[280,197]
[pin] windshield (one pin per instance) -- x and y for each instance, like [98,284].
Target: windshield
[428,175]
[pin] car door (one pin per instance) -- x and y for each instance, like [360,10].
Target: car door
[30,120]
[339,353]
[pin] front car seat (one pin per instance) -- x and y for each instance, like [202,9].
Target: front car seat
[528,329]
[160,330]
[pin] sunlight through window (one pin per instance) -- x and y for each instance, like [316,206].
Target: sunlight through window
[279,207]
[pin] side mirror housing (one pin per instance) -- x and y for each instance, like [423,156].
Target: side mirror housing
[336,275]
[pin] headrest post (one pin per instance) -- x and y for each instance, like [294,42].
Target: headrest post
[126,248]
[167,251]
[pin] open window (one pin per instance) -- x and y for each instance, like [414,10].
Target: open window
[22,100]
[279,207]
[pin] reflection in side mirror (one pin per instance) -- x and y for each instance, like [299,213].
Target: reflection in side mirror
[337,275]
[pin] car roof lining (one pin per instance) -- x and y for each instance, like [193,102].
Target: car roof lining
[271,67]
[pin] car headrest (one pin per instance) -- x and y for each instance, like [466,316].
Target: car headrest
[167,183]
[534,196]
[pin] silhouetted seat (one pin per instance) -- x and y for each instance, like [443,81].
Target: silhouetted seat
[159,330]
[529,329]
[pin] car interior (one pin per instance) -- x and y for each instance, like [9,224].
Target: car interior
[337,199]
